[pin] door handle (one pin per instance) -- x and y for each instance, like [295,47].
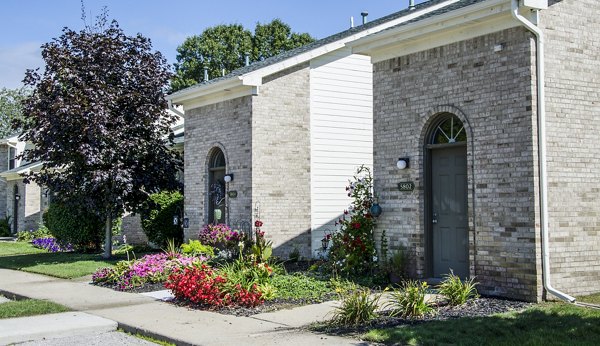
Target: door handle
[434,219]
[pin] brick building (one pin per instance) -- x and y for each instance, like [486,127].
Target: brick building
[456,93]
[291,129]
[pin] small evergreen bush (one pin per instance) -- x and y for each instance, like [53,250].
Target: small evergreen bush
[71,224]
[157,217]
[5,227]
[456,291]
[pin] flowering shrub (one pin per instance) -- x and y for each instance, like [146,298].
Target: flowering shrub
[150,268]
[353,248]
[261,249]
[201,285]
[51,244]
[220,236]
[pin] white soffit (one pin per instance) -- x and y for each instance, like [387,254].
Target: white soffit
[458,25]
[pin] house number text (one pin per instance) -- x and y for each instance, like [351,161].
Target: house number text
[406,186]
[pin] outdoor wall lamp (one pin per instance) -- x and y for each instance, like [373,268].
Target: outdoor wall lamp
[403,163]
[17,197]
[228,178]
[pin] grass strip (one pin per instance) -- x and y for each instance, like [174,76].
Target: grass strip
[30,307]
[545,324]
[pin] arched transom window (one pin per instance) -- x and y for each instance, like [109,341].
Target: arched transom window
[449,130]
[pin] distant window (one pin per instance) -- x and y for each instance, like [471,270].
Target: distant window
[449,130]
[11,157]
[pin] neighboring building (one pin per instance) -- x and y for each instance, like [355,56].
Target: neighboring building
[455,92]
[26,203]
[292,130]
[21,202]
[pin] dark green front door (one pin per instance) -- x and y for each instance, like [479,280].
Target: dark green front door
[449,223]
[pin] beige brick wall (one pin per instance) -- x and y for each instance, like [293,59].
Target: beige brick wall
[226,125]
[281,158]
[572,32]
[29,206]
[491,92]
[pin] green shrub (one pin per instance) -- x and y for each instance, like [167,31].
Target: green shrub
[299,286]
[5,227]
[409,300]
[357,308]
[74,225]
[24,236]
[196,248]
[157,217]
[456,291]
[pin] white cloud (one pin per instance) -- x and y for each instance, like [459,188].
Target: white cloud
[14,60]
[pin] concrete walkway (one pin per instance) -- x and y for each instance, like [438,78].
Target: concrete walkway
[180,325]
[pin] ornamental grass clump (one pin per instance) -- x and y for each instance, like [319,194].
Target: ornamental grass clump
[410,300]
[357,307]
[456,291]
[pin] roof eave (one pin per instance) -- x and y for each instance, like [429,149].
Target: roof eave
[372,44]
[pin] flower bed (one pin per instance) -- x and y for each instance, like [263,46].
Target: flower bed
[127,275]
[51,245]
[202,286]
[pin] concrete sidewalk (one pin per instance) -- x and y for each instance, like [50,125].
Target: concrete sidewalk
[183,326]
[14,330]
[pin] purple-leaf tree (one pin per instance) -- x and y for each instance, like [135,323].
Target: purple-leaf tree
[97,119]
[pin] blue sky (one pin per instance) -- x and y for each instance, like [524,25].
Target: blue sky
[26,24]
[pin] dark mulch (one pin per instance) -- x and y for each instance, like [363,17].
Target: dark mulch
[297,266]
[273,305]
[147,287]
[483,306]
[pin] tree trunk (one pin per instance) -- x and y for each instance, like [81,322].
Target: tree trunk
[108,238]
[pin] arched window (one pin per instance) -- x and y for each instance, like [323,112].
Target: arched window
[216,186]
[449,129]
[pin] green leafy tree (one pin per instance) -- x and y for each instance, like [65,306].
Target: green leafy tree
[224,48]
[10,109]
[275,38]
[220,47]
[98,121]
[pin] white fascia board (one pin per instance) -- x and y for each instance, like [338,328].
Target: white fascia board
[200,94]
[256,76]
[15,174]
[462,17]
[219,96]
[183,96]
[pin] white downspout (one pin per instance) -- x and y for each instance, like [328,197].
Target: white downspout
[174,109]
[543,184]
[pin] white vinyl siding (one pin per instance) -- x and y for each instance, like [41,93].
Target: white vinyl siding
[341,127]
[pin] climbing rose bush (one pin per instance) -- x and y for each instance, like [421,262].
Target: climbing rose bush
[352,252]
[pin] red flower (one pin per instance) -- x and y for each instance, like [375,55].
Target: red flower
[258,223]
[356,225]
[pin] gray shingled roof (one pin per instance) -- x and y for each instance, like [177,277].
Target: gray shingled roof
[336,37]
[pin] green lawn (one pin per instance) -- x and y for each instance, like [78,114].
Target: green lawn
[544,324]
[29,307]
[18,248]
[66,265]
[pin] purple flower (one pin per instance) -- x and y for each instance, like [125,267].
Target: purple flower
[51,245]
